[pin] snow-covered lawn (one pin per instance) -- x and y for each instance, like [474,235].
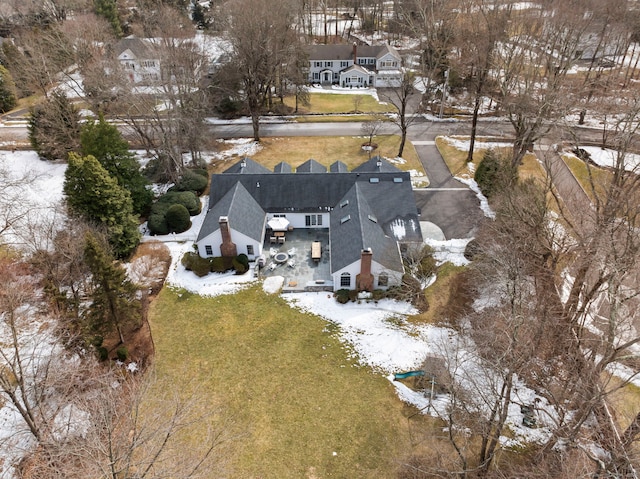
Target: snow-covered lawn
[608,158]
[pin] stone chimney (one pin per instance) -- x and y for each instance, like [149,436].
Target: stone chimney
[364,281]
[355,53]
[228,247]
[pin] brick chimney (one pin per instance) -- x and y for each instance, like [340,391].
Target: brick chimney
[228,247]
[355,53]
[364,281]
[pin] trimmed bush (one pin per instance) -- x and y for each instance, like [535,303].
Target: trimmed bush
[188,199]
[102,353]
[192,180]
[193,262]
[378,294]
[122,353]
[342,296]
[177,218]
[239,266]
[157,224]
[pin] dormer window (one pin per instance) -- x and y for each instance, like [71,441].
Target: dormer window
[344,219]
[344,203]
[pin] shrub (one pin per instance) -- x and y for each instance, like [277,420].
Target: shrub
[188,199]
[102,353]
[244,259]
[177,218]
[378,294]
[342,296]
[487,173]
[122,353]
[239,266]
[194,262]
[157,224]
[217,264]
[192,180]
[353,295]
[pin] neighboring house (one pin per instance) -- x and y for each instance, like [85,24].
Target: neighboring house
[355,66]
[369,212]
[138,59]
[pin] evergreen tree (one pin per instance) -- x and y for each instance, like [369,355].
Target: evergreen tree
[109,10]
[199,15]
[114,306]
[104,142]
[94,195]
[8,97]
[54,127]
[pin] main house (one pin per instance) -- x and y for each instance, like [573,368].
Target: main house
[370,213]
[355,66]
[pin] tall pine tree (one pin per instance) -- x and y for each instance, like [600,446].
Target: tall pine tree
[8,98]
[114,307]
[103,141]
[94,195]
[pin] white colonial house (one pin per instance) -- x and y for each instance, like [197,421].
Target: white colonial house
[138,59]
[355,66]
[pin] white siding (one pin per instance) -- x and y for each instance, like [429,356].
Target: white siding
[395,277]
[241,241]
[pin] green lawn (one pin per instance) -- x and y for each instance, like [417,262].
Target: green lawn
[337,103]
[286,381]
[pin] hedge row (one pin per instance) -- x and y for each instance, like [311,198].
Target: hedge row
[218,264]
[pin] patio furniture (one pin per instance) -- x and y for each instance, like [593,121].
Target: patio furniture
[316,251]
[291,263]
[272,266]
[281,257]
[291,252]
[281,240]
[273,239]
[273,252]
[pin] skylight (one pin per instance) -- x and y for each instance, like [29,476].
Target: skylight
[372,218]
[397,180]
[344,219]
[374,180]
[344,203]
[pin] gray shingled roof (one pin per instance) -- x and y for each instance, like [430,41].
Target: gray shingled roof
[354,226]
[137,46]
[311,166]
[244,213]
[382,194]
[247,166]
[357,68]
[345,52]
[338,167]
[372,166]
[282,167]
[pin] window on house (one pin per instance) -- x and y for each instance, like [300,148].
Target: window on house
[316,75]
[345,280]
[362,61]
[354,79]
[371,61]
[317,64]
[328,64]
[208,250]
[344,64]
[313,220]
[250,249]
[383,279]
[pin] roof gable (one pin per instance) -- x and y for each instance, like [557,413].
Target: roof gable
[354,227]
[338,167]
[311,166]
[282,167]
[247,166]
[376,164]
[244,213]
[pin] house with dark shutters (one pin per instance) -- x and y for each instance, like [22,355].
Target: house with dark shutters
[355,66]
[369,212]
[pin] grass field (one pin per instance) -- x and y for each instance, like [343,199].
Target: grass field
[456,160]
[326,150]
[324,103]
[599,176]
[286,381]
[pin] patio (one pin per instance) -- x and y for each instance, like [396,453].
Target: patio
[292,260]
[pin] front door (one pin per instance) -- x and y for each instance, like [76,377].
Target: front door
[326,77]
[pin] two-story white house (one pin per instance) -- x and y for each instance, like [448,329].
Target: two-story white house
[355,66]
[139,59]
